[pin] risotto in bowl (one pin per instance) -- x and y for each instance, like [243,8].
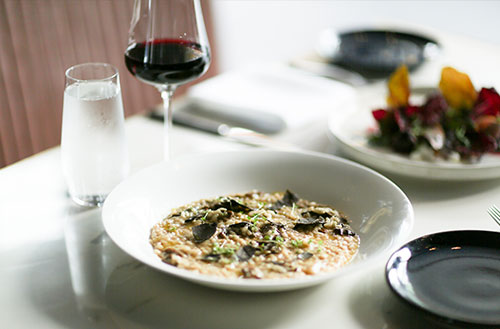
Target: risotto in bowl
[258,220]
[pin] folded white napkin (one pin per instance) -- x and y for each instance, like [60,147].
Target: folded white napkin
[296,96]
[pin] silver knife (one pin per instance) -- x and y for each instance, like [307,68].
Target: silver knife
[260,121]
[241,135]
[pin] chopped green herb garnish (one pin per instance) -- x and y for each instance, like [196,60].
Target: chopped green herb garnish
[297,243]
[279,239]
[460,134]
[204,216]
[416,128]
[267,237]
[255,218]
[223,251]
[172,229]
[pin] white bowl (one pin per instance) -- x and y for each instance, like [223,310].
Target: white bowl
[380,212]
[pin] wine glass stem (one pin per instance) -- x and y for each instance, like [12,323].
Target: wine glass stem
[166,94]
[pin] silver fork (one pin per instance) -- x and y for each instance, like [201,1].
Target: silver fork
[494,212]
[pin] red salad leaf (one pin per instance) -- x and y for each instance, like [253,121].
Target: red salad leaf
[379,114]
[433,110]
[488,103]
[411,110]
[485,143]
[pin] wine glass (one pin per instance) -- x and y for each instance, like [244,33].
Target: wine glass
[167,47]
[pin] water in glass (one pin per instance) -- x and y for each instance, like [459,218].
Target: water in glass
[93,146]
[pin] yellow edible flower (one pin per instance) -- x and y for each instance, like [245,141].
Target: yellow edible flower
[399,88]
[457,89]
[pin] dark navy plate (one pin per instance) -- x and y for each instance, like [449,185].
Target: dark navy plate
[454,276]
[376,53]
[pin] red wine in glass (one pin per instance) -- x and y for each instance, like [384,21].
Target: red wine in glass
[167,47]
[166,61]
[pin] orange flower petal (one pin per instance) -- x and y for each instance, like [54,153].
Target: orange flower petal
[399,88]
[457,89]
[484,121]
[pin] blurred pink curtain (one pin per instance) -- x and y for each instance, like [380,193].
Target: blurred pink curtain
[39,40]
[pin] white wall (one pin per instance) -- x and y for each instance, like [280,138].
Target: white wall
[250,31]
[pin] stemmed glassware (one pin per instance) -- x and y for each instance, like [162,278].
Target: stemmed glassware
[167,47]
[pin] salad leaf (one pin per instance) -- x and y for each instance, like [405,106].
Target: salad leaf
[488,103]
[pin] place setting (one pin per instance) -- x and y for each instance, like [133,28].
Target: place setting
[354,186]
[249,231]
[236,224]
[279,218]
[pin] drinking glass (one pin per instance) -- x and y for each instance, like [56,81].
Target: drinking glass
[94,151]
[167,47]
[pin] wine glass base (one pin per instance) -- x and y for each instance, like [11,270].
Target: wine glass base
[89,200]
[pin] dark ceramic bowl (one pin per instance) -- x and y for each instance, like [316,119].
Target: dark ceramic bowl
[376,53]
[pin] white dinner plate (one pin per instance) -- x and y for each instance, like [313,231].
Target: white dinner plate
[380,212]
[351,134]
